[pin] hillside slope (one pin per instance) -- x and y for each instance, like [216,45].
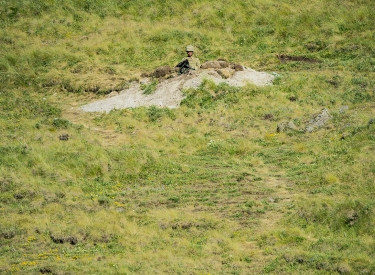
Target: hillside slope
[208,188]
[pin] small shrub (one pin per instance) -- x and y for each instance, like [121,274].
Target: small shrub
[174,199]
[200,97]
[103,200]
[61,123]
[154,113]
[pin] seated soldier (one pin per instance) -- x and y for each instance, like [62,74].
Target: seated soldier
[190,62]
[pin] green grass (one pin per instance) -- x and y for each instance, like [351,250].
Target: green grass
[210,187]
[150,88]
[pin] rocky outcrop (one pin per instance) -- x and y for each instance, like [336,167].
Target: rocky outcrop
[215,64]
[285,126]
[220,64]
[318,120]
[168,91]
[225,72]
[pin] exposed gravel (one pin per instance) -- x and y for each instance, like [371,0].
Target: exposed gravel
[168,92]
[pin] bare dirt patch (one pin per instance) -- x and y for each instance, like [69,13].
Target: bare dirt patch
[169,92]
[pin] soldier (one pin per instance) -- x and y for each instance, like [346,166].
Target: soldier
[190,62]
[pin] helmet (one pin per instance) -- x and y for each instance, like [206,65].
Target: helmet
[189,48]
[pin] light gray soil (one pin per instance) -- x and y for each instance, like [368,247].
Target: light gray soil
[168,92]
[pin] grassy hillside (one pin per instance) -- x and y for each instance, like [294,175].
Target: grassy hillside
[211,187]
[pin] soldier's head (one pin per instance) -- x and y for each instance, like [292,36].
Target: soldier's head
[189,50]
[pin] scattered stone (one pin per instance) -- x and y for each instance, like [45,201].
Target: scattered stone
[288,258]
[211,65]
[223,63]
[112,94]
[106,238]
[163,226]
[50,197]
[120,209]
[160,72]
[214,74]
[163,71]
[8,235]
[24,194]
[225,73]
[268,117]
[64,137]
[72,240]
[184,226]
[19,196]
[322,266]
[61,240]
[334,82]
[313,46]
[343,269]
[169,93]
[343,109]
[144,81]
[276,74]
[318,120]
[285,126]
[351,218]
[46,270]
[300,260]
[237,67]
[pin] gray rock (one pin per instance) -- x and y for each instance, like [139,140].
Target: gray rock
[285,126]
[343,109]
[64,137]
[211,64]
[225,73]
[112,94]
[318,120]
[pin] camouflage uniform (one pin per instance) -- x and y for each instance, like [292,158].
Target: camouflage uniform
[194,62]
